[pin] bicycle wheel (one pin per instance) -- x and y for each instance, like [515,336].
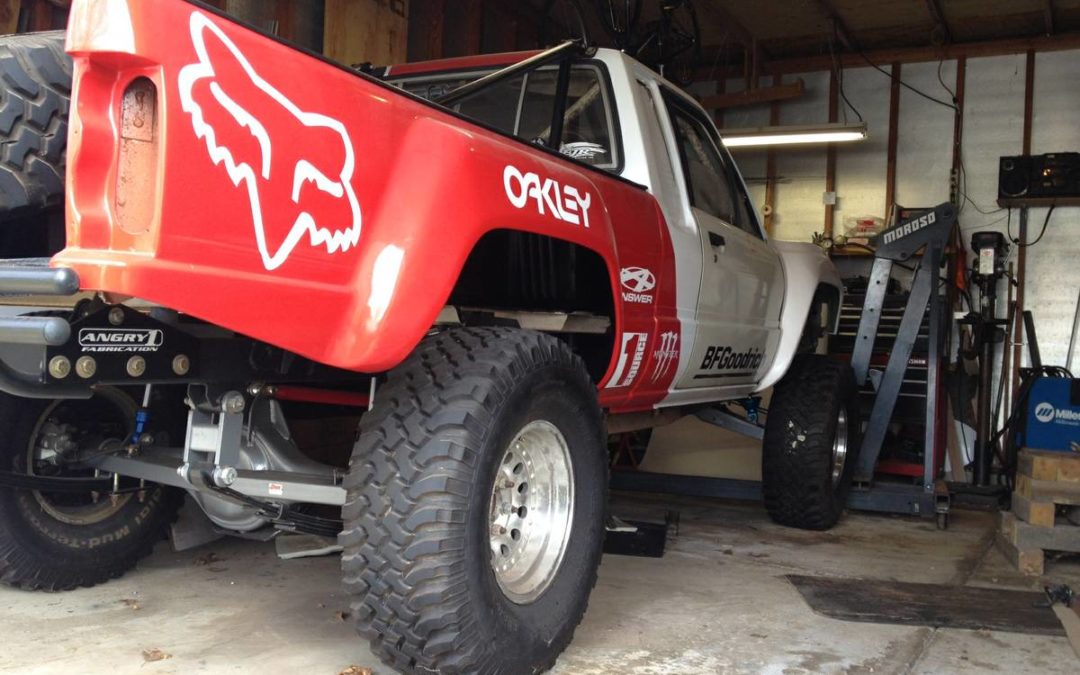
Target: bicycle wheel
[620,18]
[565,21]
[673,44]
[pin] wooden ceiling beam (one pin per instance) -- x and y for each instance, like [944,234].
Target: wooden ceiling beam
[1058,42]
[473,37]
[842,31]
[729,25]
[1048,16]
[427,19]
[933,7]
[528,14]
[782,92]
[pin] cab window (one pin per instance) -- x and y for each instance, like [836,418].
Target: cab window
[524,106]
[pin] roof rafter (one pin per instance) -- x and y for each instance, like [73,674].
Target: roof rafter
[933,7]
[1048,16]
[842,31]
[730,25]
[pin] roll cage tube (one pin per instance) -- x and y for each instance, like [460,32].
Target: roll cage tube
[561,54]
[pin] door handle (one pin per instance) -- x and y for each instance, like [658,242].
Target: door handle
[716,239]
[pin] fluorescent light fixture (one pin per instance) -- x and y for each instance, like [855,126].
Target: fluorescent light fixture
[793,135]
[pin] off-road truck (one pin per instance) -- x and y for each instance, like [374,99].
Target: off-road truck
[494,262]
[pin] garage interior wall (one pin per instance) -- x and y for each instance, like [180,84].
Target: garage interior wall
[993,126]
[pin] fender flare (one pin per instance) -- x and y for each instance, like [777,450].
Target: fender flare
[807,268]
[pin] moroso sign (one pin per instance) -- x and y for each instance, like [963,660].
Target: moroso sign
[910,227]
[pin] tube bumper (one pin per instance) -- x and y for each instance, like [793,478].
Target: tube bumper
[65,354]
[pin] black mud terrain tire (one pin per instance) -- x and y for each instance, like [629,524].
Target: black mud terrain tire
[35,94]
[811,443]
[423,508]
[62,542]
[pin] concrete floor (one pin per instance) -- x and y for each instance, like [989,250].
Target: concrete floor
[716,603]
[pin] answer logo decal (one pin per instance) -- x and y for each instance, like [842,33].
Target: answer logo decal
[637,281]
[296,166]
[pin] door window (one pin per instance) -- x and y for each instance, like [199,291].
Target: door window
[706,180]
[713,188]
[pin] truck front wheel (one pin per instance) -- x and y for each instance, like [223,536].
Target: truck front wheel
[811,442]
[476,499]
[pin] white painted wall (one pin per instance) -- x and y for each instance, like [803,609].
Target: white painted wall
[993,126]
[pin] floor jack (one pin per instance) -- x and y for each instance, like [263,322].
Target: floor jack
[928,231]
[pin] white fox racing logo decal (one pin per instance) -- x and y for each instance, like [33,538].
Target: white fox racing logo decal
[272,148]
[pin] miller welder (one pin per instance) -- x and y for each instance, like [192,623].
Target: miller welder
[1052,404]
[1053,414]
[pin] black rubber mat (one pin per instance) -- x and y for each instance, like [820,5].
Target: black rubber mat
[645,541]
[935,605]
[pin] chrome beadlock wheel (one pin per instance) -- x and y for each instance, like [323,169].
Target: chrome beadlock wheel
[840,446]
[532,509]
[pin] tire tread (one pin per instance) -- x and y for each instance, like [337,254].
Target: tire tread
[35,97]
[409,485]
[797,447]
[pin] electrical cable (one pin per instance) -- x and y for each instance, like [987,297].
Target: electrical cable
[928,97]
[952,94]
[962,189]
[838,73]
[1046,221]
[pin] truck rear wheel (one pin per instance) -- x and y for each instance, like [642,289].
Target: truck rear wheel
[811,443]
[35,93]
[476,499]
[62,541]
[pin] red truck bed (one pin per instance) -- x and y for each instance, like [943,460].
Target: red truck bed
[233,178]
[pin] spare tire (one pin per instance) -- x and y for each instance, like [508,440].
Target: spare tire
[35,95]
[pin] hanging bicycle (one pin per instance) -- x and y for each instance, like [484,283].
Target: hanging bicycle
[669,44]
